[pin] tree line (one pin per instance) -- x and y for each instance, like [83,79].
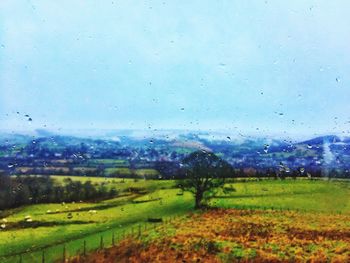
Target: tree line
[25,190]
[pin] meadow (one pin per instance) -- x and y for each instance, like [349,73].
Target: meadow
[73,223]
[238,235]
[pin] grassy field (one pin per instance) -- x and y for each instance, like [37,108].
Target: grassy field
[233,235]
[306,195]
[121,184]
[52,226]
[109,162]
[142,173]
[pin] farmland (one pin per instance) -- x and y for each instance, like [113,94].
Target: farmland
[51,225]
[230,235]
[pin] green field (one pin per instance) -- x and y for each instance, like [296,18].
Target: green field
[121,184]
[120,172]
[109,162]
[160,200]
[306,195]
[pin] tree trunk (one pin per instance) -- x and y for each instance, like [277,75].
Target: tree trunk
[198,199]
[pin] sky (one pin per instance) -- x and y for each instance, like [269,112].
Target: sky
[264,67]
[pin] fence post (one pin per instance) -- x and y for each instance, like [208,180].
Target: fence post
[84,248]
[43,257]
[64,253]
[113,241]
[101,242]
[139,231]
[132,231]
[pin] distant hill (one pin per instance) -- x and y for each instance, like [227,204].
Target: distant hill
[144,149]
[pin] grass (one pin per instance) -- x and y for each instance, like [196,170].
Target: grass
[118,214]
[147,172]
[161,200]
[127,172]
[118,171]
[113,162]
[233,235]
[306,195]
[121,184]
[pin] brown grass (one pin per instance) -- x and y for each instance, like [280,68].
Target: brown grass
[238,236]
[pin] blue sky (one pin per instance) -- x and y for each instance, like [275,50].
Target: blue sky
[267,67]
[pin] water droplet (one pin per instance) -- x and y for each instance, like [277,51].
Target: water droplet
[266,148]
[10,165]
[228,138]
[182,109]
[309,146]
[337,79]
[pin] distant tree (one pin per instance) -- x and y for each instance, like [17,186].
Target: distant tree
[22,196]
[295,173]
[204,174]
[6,197]
[113,192]
[168,169]
[89,190]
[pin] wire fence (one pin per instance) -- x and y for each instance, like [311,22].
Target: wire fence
[89,244]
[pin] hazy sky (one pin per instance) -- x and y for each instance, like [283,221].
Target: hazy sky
[263,66]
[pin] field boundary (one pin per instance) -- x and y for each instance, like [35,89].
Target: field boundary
[135,231]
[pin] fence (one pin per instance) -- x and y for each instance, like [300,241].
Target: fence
[82,246]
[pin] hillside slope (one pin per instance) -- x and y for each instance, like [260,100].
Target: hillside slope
[239,235]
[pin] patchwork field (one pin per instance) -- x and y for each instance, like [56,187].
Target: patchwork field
[314,202]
